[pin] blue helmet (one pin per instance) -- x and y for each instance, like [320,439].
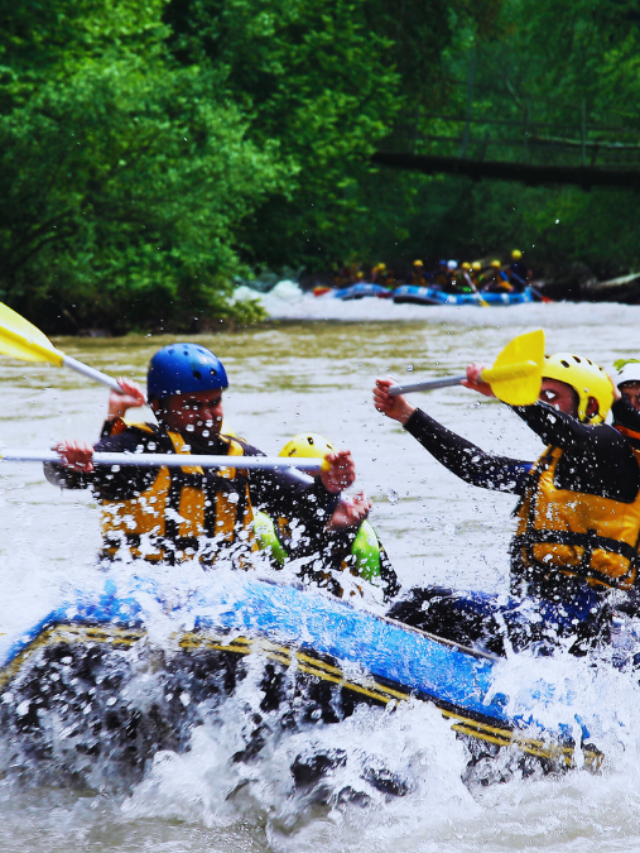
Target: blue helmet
[184,369]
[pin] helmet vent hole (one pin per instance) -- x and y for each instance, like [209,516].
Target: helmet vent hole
[564,363]
[310,440]
[576,359]
[197,374]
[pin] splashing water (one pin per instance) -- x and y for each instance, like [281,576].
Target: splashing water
[235,776]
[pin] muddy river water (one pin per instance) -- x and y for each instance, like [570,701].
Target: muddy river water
[312,369]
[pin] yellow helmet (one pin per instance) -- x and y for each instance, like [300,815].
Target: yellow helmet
[308,444]
[496,263]
[466,265]
[586,378]
[476,265]
[418,263]
[516,254]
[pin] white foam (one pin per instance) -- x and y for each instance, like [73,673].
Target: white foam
[288,302]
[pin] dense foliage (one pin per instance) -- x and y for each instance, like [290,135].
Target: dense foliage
[152,150]
[123,176]
[562,75]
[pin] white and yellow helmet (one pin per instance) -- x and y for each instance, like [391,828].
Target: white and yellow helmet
[628,371]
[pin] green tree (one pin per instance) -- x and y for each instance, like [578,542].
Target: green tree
[314,76]
[123,177]
[329,79]
[557,71]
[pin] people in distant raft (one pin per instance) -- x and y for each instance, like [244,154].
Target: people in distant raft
[518,274]
[417,276]
[349,554]
[497,280]
[578,515]
[467,284]
[172,514]
[441,277]
[475,274]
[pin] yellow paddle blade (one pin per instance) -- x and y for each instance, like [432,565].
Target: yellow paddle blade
[516,375]
[20,339]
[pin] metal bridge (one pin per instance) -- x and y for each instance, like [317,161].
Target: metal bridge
[520,148]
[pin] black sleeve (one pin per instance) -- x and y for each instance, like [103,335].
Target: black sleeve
[285,494]
[562,430]
[307,506]
[465,459]
[110,483]
[625,414]
[597,459]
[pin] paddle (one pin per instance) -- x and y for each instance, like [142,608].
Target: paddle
[515,377]
[22,340]
[475,290]
[174,460]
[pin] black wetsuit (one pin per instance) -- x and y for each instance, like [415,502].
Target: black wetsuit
[336,557]
[596,459]
[278,493]
[628,417]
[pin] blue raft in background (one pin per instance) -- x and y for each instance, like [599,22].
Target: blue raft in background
[424,295]
[359,291]
[432,296]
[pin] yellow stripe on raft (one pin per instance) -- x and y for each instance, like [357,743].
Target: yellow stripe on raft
[191,641]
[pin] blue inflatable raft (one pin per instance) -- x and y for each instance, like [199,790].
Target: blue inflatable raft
[433,296]
[360,290]
[79,658]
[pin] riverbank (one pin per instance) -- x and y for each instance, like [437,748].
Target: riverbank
[255,303]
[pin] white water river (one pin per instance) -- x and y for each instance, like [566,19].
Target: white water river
[312,370]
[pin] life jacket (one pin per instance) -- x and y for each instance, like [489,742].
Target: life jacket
[364,561]
[632,435]
[575,533]
[167,522]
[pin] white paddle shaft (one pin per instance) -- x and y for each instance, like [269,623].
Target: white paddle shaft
[426,385]
[91,373]
[171,460]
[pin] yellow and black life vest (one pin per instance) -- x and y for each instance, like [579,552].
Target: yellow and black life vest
[167,522]
[575,533]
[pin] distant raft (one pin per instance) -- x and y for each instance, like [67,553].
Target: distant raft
[432,296]
[360,290]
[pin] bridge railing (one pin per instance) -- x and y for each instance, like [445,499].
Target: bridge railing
[522,137]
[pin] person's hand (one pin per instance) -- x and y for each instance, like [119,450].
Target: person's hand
[341,472]
[474,380]
[75,455]
[350,512]
[131,399]
[396,408]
